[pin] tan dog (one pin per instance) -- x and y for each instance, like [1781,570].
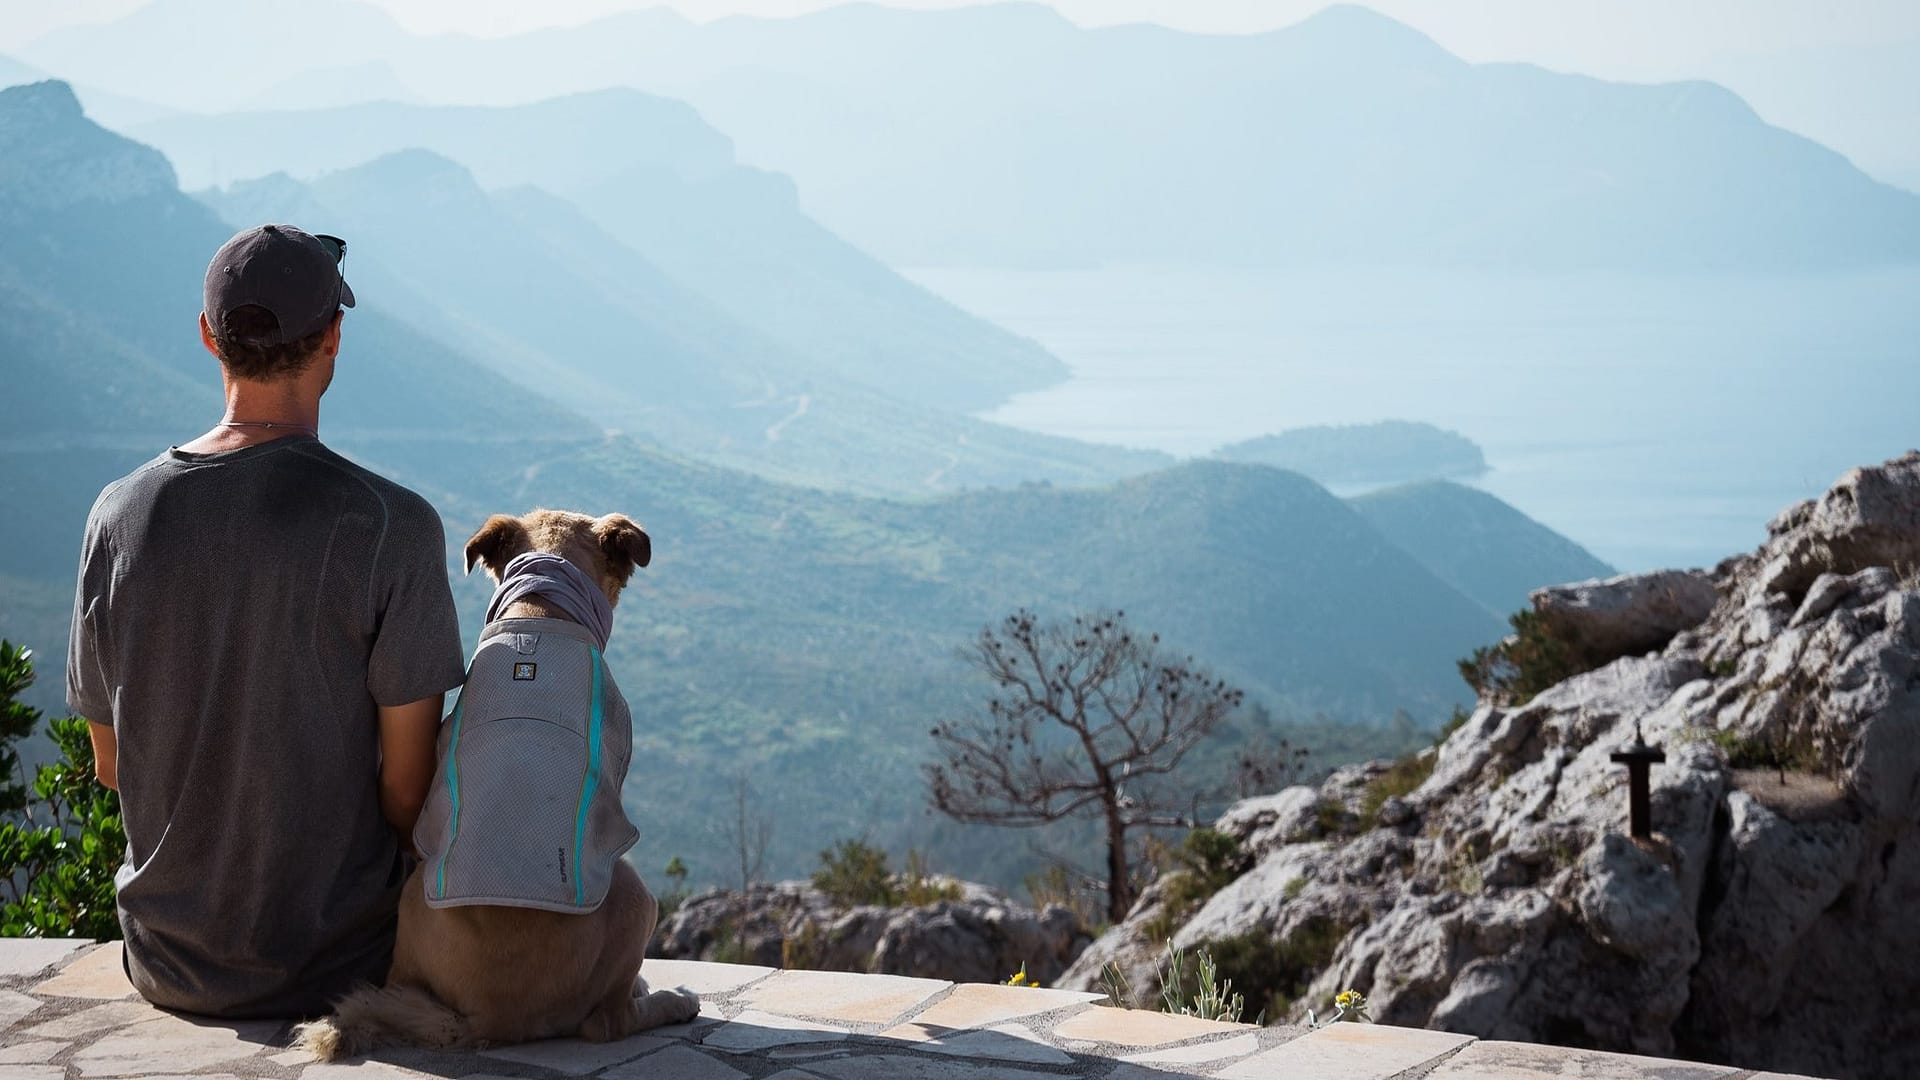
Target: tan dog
[474,975]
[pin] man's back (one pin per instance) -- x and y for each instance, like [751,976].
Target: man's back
[240,617]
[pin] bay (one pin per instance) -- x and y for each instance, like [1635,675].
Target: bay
[1660,420]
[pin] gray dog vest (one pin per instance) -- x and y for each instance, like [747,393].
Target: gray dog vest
[525,807]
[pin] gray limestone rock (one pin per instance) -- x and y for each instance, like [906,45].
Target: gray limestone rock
[980,937]
[1768,919]
[1627,615]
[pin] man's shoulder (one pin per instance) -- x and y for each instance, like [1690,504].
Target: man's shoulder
[401,505]
[117,493]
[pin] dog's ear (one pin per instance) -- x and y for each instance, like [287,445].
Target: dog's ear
[624,543]
[493,540]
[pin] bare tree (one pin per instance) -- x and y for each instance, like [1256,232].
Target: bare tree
[1087,717]
[749,832]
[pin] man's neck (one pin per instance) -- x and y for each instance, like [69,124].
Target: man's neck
[260,412]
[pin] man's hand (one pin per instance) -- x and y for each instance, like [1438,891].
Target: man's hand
[106,754]
[407,736]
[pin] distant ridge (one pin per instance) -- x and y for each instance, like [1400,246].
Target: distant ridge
[1389,452]
[655,176]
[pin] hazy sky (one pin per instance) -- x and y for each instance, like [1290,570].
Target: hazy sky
[1598,35]
[1846,72]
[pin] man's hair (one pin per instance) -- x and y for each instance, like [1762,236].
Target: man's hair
[262,363]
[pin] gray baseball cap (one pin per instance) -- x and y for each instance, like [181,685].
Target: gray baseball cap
[293,274]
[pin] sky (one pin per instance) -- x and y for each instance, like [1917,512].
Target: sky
[1845,72]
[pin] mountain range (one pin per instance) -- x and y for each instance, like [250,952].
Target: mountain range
[527,283]
[1004,134]
[801,637]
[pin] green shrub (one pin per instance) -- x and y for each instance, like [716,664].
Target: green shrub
[1055,885]
[1527,662]
[854,872]
[1398,781]
[1206,862]
[1273,972]
[918,887]
[59,846]
[1200,992]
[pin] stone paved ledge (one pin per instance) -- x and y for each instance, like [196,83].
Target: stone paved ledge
[67,1013]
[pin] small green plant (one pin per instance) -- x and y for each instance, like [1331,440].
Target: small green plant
[1200,992]
[918,887]
[802,951]
[676,894]
[729,947]
[1463,873]
[1347,1005]
[1118,987]
[1528,661]
[1273,972]
[1398,781]
[1723,667]
[1783,752]
[1331,817]
[1055,885]
[1294,887]
[854,873]
[60,844]
[1207,862]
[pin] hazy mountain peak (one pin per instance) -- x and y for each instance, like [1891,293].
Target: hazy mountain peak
[47,101]
[52,156]
[1347,30]
[410,174]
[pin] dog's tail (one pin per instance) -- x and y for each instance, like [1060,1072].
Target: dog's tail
[370,1017]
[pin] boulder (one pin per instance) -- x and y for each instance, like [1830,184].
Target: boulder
[980,937]
[1764,921]
[1629,615]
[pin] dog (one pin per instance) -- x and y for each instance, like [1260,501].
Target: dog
[468,973]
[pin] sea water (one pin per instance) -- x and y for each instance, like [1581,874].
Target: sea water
[1660,420]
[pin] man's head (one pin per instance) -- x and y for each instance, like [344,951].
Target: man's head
[272,302]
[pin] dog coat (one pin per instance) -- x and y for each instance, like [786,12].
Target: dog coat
[525,807]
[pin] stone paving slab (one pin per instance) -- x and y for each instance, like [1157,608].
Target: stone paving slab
[15,1007]
[575,1057]
[675,1063]
[30,956]
[700,976]
[1197,1053]
[1349,1052]
[753,1030]
[1138,1028]
[1006,1042]
[100,974]
[842,995]
[981,1004]
[761,1023]
[1529,1061]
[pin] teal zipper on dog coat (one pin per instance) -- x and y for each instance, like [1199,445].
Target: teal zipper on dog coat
[525,806]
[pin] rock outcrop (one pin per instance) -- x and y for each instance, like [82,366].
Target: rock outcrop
[52,162]
[1767,921]
[979,937]
[1626,615]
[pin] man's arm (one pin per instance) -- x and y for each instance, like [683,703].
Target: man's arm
[106,754]
[407,736]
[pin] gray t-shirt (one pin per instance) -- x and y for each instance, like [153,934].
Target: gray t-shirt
[238,618]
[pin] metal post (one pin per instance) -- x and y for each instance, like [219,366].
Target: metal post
[1639,758]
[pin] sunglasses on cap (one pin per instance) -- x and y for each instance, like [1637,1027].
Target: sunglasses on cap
[335,246]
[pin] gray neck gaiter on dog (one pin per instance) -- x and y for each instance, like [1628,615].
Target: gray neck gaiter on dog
[540,573]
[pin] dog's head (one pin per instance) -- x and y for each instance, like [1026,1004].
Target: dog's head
[607,548]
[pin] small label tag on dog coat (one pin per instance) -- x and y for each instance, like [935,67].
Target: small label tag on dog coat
[525,672]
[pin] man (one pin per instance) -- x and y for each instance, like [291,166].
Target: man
[262,636]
